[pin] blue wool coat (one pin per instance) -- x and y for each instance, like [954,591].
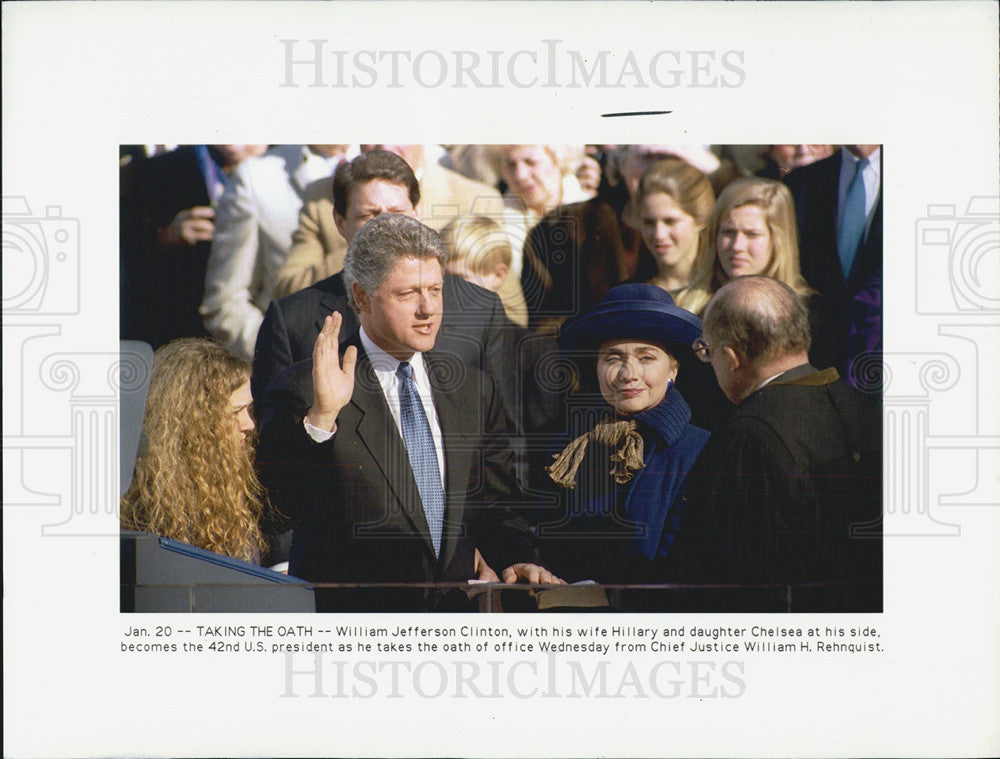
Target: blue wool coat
[613,533]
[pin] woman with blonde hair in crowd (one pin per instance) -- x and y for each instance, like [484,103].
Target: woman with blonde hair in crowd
[752,230]
[673,203]
[479,252]
[578,252]
[195,479]
[539,178]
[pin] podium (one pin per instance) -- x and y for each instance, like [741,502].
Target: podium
[163,575]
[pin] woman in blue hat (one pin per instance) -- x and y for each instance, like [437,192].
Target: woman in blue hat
[618,477]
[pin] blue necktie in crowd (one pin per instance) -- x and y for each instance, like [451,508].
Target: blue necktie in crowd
[852,221]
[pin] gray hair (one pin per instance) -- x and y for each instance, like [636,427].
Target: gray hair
[380,243]
[760,317]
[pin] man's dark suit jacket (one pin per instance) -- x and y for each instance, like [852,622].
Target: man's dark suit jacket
[160,292]
[814,189]
[789,491]
[354,497]
[474,329]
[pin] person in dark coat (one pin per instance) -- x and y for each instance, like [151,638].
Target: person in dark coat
[393,459]
[845,267]
[167,214]
[788,491]
[616,491]
[752,230]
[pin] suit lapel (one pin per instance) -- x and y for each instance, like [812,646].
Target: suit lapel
[868,260]
[830,188]
[326,307]
[377,431]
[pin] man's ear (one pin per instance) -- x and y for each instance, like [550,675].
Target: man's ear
[733,359]
[340,221]
[361,298]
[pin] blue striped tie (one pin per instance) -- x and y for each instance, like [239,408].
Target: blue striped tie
[852,220]
[423,456]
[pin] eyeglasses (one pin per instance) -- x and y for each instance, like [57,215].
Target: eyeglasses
[702,350]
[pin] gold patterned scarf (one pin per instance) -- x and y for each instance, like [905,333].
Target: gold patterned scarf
[624,461]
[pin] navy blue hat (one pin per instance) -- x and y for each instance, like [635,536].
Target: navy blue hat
[631,312]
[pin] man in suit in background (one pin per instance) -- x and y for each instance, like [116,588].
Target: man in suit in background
[475,328]
[445,195]
[788,490]
[167,223]
[395,465]
[838,207]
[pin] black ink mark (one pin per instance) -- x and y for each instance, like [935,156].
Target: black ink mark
[633,113]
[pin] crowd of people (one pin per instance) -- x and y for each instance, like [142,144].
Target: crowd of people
[635,364]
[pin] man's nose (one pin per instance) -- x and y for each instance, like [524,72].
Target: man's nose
[426,304]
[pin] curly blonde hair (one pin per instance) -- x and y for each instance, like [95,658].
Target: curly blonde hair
[195,479]
[775,200]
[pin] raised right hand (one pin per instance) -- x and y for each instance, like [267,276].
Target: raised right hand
[333,383]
